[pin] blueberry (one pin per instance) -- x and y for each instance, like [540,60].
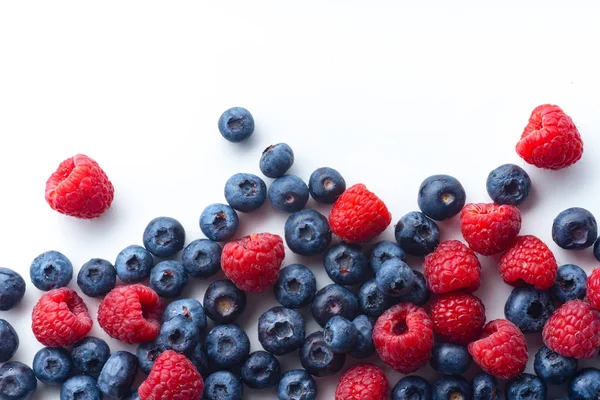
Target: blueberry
[307,232]
[9,341]
[179,333]
[90,354]
[451,387]
[297,384]
[188,308]
[597,249]
[318,359]
[223,301]
[552,367]
[412,388]
[276,160]
[526,387]
[574,229]
[219,222]
[416,234]
[261,370]
[288,194]
[395,278]
[97,277]
[80,387]
[132,396]
[373,301]
[199,358]
[51,270]
[148,352]
[245,192]
[383,251]
[164,236]
[133,264]
[364,339]
[202,258]
[295,287]
[528,308]
[12,288]
[585,385]
[346,264]
[223,385]
[485,387]
[340,335]
[236,124]
[448,358]
[508,184]
[441,197]
[52,365]
[419,293]
[168,278]
[326,185]
[334,300]
[17,381]
[227,346]
[118,374]
[570,283]
[281,330]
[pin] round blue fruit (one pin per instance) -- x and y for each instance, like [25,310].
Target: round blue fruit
[441,197]
[340,335]
[552,367]
[346,264]
[227,346]
[179,333]
[416,234]
[223,385]
[236,124]
[51,270]
[383,251]
[295,287]
[412,387]
[80,387]
[164,236]
[12,288]
[395,278]
[90,354]
[188,308]
[419,293]
[570,284]
[148,352]
[326,185]
[276,160]
[448,358]
[288,194]
[307,232]
[485,387]
[318,359]
[118,374]
[529,308]
[202,258]
[281,330]
[451,387]
[17,381]
[245,192]
[52,365]
[168,278]
[219,222]
[223,301]
[526,387]
[199,358]
[373,302]
[133,264]
[261,370]
[334,300]
[297,384]
[585,385]
[508,184]
[574,229]
[364,339]
[97,277]
[9,341]
[597,249]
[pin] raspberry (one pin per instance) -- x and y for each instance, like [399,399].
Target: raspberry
[490,228]
[131,313]
[573,330]
[452,266]
[529,261]
[502,350]
[403,337]
[79,188]
[172,377]
[60,318]
[358,215]
[362,382]
[593,289]
[458,318]
[551,139]
[252,262]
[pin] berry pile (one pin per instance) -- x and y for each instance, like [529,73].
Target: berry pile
[376,305]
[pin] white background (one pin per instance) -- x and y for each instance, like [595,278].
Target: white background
[384,92]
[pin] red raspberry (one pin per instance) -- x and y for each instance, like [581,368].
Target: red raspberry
[358,215]
[458,318]
[529,261]
[252,262]
[403,337]
[452,266]
[502,350]
[490,228]
[172,377]
[60,318]
[551,139]
[593,288]
[573,330]
[363,382]
[131,313]
[79,188]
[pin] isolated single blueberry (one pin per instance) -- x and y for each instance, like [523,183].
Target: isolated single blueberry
[295,287]
[133,264]
[297,384]
[529,308]
[416,234]
[17,381]
[276,160]
[97,277]
[245,192]
[223,385]
[395,278]
[236,124]
[51,270]
[168,278]
[441,197]
[52,365]
[12,288]
[219,222]
[326,185]
[90,354]
[570,283]
[164,236]
[554,368]
[223,301]
[227,346]
[346,264]
[508,184]
[202,258]
[412,388]
[80,387]
[307,232]
[288,194]
[261,370]
[281,330]
[574,229]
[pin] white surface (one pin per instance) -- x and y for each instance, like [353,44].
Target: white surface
[385,93]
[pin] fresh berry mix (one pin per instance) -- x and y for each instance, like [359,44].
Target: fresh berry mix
[51,270]
[364,339]
[295,287]
[227,346]
[318,359]
[12,288]
[528,261]
[297,384]
[173,376]
[326,184]
[118,374]
[219,222]
[340,335]
[383,251]
[223,385]
[419,293]
[223,301]
[187,308]
[593,289]
[574,229]
[89,355]
[448,358]
[164,237]
[276,160]
[452,266]
[334,300]
[451,387]
[245,192]
[554,368]
[441,197]
[307,232]
[490,228]
[485,387]
[17,381]
[412,387]
[508,184]
[570,284]
[236,124]
[97,277]
[9,341]
[180,334]
[148,352]
[395,278]
[202,258]
[416,234]
[52,365]
[133,264]
[80,387]
[526,387]
[362,382]
[288,193]
[168,278]
[585,385]
[528,308]
[281,330]
[261,370]
[346,264]
[373,302]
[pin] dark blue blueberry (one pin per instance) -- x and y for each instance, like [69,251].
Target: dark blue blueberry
[395,278]
[133,264]
[261,370]
[597,249]
[188,308]
[451,387]
[236,124]
[219,222]
[132,396]
[51,270]
[297,384]
[448,358]
[148,352]
[552,367]
[318,359]
[526,387]
[346,264]
[164,236]
[179,333]
[227,346]
[97,277]
[508,184]
[364,340]
[90,354]
[199,358]
[485,387]
[383,251]
[276,160]
[419,293]
[288,194]
[9,341]
[12,288]
[223,385]
[118,374]
[295,287]
[17,381]
[570,283]
[168,278]
[80,387]
[574,229]
[223,301]
[373,301]
[528,308]
[326,185]
[281,330]
[441,197]
[245,192]
[416,234]
[307,232]
[412,388]
[202,258]
[334,300]
[585,385]
[340,335]
[52,365]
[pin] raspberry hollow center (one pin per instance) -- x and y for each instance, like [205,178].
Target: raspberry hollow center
[400,328]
